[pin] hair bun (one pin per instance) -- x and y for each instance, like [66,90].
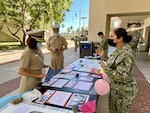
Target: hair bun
[129,38]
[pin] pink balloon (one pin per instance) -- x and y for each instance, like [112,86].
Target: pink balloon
[102,87]
[105,76]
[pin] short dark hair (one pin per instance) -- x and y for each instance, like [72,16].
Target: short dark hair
[100,33]
[31,42]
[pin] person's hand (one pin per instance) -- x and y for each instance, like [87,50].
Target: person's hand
[52,68]
[51,49]
[41,75]
[100,52]
[56,50]
[47,66]
[62,49]
[103,64]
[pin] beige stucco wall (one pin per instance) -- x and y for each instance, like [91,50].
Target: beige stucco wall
[101,11]
[147,22]
[146,34]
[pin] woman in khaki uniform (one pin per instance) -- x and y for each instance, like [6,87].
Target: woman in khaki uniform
[31,65]
[57,44]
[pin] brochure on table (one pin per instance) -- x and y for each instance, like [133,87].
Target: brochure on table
[84,65]
[82,84]
[75,81]
[63,90]
[62,98]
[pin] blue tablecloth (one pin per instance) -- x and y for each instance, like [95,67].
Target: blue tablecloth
[5,100]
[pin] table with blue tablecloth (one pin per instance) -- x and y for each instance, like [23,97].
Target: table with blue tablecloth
[74,76]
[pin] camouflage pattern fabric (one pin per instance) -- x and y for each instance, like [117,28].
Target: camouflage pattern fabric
[104,45]
[135,39]
[122,82]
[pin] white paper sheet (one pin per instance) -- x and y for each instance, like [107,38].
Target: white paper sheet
[50,82]
[81,85]
[59,83]
[45,96]
[86,78]
[59,98]
[83,74]
[71,83]
[77,99]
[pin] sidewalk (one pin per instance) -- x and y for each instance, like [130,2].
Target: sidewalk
[14,55]
[9,62]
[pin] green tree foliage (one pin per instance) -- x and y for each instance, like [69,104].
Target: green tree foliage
[68,30]
[23,15]
[71,28]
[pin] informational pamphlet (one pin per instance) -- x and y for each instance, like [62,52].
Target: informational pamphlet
[86,78]
[66,76]
[59,98]
[83,85]
[49,83]
[77,99]
[85,69]
[83,74]
[76,67]
[59,83]
[71,84]
[49,73]
[45,96]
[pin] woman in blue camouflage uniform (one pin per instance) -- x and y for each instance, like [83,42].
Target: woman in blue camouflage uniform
[119,68]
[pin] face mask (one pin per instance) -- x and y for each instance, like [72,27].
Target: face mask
[111,43]
[56,31]
[39,44]
[56,34]
[133,29]
[100,39]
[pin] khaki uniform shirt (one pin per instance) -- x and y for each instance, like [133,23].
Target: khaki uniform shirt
[31,60]
[76,43]
[57,58]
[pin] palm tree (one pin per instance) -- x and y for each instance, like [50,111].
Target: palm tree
[71,28]
[63,26]
[68,29]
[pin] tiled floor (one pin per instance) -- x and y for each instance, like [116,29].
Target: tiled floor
[142,69]
[141,103]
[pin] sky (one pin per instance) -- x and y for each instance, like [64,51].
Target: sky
[79,9]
